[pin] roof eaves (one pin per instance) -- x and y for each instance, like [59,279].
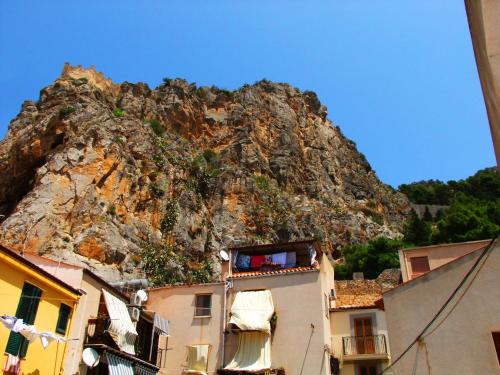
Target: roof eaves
[448,245]
[106,284]
[298,270]
[421,277]
[14,254]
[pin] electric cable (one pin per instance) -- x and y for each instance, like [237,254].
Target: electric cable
[443,307]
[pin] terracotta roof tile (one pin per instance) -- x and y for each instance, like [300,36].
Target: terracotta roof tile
[357,293]
[274,272]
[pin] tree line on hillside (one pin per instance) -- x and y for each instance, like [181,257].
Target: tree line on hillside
[473,213]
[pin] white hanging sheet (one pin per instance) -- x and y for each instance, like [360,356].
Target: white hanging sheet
[251,311]
[253,354]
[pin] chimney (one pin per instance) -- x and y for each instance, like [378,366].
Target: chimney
[358,276]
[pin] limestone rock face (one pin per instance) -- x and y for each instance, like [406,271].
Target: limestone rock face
[95,171]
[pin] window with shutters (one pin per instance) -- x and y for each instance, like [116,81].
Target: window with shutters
[496,341]
[63,319]
[26,310]
[419,266]
[363,330]
[203,305]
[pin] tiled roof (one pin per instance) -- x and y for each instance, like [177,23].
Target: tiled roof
[274,272]
[352,294]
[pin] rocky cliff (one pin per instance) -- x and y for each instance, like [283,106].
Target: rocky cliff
[94,172]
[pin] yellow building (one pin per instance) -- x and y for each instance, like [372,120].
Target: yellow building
[41,300]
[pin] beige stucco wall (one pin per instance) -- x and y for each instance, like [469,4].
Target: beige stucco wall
[298,300]
[298,303]
[438,255]
[341,325]
[462,344]
[484,16]
[87,308]
[177,305]
[71,275]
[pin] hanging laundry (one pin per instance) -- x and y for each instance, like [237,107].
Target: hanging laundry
[268,258]
[280,258]
[29,332]
[12,365]
[234,259]
[46,338]
[256,261]
[312,254]
[291,259]
[243,262]
[10,321]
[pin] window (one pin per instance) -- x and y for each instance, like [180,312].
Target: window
[496,341]
[26,310]
[367,370]
[63,319]
[364,335]
[203,305]
[419,265]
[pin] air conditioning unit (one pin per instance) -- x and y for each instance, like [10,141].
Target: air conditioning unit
[135,313]
[135,300]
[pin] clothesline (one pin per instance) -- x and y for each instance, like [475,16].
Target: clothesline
[29,331]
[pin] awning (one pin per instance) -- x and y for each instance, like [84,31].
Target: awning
[118,365]
[143,370]
[251,311]
[160,325]
[121,328]
[254,352]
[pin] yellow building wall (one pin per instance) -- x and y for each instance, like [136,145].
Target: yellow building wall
[13,275]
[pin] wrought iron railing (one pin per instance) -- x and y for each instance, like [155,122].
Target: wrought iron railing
[359,345]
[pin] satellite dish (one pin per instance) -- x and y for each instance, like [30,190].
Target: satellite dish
[143,296]
[224,255]
[90,357]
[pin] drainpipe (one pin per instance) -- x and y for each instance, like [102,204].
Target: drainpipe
[79,342]
[224,307]
[228,284]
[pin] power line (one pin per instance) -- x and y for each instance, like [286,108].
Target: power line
[443,307]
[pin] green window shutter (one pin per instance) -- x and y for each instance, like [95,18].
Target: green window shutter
[63,319]
[26,310]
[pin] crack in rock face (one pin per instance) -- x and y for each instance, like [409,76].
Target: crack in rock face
[96,171]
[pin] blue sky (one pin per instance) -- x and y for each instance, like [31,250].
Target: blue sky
[398,76]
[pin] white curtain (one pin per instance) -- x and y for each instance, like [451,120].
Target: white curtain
[197,360]
[254,352]
[251,311]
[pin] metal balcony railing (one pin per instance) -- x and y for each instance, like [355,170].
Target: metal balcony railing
[359,345]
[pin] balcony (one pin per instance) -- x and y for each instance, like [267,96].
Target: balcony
[99,338]
[364,347]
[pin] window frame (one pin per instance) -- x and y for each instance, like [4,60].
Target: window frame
[66,308]
[202,308]
[327,306]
